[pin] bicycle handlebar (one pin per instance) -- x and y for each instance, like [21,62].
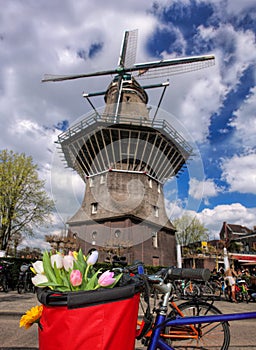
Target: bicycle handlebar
[186,273]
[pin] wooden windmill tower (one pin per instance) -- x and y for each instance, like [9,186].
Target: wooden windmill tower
[125,156]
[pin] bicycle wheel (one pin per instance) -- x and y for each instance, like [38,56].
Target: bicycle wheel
[207,336]
[20,288]
[217,289]
[4,284]
[29,287]
[206,289]
[191,289]
[247,297]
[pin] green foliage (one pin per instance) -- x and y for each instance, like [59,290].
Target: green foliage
[189,230]
[24,204]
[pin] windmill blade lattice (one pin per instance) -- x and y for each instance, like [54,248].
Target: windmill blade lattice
[172,67]
[129,49]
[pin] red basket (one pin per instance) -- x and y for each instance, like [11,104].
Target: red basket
[98,320]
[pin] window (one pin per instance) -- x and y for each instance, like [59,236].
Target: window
[117,233]
[94,235]
[159,188]
[150,183]
[154,240]
[156,261]
[102,179]
[91,182]
[156,211]
[94,208]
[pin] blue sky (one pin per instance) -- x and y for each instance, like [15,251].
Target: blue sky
[213,108]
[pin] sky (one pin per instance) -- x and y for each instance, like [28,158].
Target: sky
[213,108]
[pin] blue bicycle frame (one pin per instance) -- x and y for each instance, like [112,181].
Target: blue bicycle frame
[157,343]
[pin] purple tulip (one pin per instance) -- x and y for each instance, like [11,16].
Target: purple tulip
[106,279]
[92,258]
[76,278]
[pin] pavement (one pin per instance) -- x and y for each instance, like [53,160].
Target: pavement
[14,305]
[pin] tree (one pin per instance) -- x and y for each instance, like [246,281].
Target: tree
[189,230]
[24,204]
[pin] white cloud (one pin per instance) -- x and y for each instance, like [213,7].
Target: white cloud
[200,102]
[240,173]
[234,213]
[236,7]
[235,51]
[245,121]
[213,218]
[203,189]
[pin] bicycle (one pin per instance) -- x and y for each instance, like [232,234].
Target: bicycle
[242,291]
[191,289]
[196,325]
[3,279]
[5,276]
[24,281]
[184,289]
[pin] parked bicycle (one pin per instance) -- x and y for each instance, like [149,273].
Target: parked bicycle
[196,324]
[241,291]
[24,281]
[185,289]
[5,276]
[3,279]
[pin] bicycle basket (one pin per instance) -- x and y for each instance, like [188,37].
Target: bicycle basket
[103,319]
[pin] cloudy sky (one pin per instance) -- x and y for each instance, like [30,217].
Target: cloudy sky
[214,107]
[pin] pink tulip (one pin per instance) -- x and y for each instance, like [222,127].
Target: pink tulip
[76,278]
[106,279]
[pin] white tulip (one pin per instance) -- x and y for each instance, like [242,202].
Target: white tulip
[38,266]
[58,260]
[38,279]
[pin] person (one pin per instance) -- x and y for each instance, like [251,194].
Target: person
[230,279]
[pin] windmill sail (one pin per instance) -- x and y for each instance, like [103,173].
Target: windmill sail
[126,64]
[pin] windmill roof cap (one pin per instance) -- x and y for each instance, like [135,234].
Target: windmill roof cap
[126,76]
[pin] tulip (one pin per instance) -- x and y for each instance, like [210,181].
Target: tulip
[57,259]
[68,262]
[106,279]
[38,266]
[38,279]
[92,258]
[76,278]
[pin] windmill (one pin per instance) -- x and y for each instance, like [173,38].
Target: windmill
[124,156]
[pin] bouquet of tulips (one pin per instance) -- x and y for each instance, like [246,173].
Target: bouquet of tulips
[72,272]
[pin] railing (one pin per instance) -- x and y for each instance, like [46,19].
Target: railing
[96,118]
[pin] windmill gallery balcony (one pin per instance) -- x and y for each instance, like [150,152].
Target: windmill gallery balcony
[137,142]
